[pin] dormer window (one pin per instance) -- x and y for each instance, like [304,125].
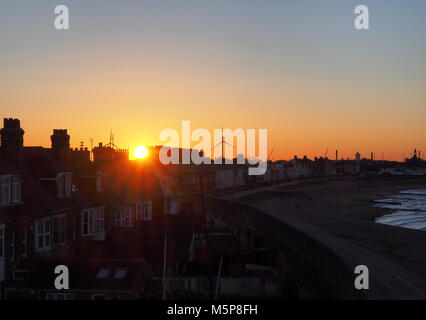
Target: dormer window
[120,273]
[64,184]
[103,273]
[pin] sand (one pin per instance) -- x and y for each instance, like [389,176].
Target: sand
[345,209]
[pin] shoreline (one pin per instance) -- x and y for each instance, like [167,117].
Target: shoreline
[408,209]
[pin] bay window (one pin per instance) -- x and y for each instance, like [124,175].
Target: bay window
[92,221]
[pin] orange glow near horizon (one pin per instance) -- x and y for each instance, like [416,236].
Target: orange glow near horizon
[311,88]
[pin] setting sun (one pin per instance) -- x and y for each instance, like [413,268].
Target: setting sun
[141,152]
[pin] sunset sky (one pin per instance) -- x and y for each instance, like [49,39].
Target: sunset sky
[297,68]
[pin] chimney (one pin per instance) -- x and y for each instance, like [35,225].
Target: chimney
[12,141]
[61,145]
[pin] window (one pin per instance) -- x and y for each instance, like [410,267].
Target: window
[59,227]
[99,219]
[170,206]
[5,190]
[12,245]
[144,211]
[25,242]
[92,221]
[123,217]
[64,184]
[2,228]
[128,217]
[61,186]
[103,273]
[68,180]
[139,211]
[60,296]
[86,223]
[42,234]
[120,273]
[118,217]
[16,189]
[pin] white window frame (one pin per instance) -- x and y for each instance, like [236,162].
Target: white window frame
[123,217]
[59,227]
[64,186]
[94,218]
[86,219]
[98,218]
[16,189]
[60,180]
[128,217]
[5,190]
[144,211]
[68,184]
[171,206]
[44,234]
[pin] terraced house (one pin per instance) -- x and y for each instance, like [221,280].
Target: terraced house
[59,207]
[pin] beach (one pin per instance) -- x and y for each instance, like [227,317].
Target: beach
[345,208]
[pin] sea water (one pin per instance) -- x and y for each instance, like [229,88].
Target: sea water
[408,209]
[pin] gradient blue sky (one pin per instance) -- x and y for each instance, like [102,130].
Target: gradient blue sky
[298,68]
